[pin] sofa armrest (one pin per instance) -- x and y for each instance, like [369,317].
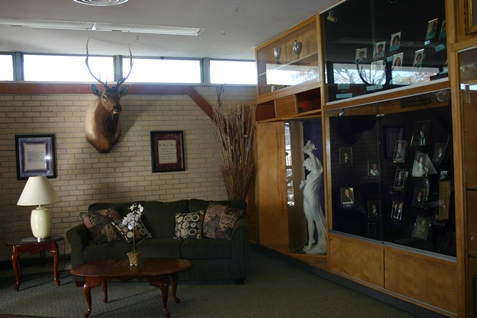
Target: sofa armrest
[79,238]
[240,247]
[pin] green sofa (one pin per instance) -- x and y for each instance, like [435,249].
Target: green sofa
[213,259]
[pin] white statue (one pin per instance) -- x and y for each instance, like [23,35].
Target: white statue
[311,202]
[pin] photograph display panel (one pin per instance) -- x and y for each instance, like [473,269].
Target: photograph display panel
[412,179]
[383,59]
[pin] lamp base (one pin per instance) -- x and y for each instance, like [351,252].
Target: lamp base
[40,222]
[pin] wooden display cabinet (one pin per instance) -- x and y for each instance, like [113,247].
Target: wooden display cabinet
[284,74]
[391,266]
[467,60]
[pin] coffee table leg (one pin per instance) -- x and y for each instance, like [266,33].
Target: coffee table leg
[87,296]
[162,282]
[174,287]
[104,286]
[88,284]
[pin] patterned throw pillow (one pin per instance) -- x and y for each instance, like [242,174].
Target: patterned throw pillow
[189,225]
[141,231]
[219,220]
[99,224]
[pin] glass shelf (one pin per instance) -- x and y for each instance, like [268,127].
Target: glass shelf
[288,70]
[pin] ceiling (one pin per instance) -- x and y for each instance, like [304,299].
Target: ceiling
[232,29]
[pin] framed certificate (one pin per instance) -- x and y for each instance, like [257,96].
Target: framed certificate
[167,151]
[35,156]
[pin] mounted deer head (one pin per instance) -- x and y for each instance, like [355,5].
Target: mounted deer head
[102,127]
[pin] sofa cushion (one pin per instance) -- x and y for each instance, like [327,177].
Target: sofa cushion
[198,204]
[98,223]
[140,231]
[220,219]
[206,249]
[161,247]
[160,217]
[109,250]
[122,208]
[189,225]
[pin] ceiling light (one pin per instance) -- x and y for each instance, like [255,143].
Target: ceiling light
[101,3]
[96,26]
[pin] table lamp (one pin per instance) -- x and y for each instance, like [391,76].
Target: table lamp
[38,191]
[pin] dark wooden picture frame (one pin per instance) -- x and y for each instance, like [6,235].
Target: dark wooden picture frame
[346,155]
[167,151]
[420,134]
[374,209]
[439,152]
[35,156]
[418,198]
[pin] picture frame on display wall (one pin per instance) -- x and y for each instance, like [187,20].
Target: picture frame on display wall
[392,134]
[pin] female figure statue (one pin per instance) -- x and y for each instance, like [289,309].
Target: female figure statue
[311,202]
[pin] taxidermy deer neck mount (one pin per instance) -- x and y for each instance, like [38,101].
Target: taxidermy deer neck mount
[102,126]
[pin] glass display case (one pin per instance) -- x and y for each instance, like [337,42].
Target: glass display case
[303,147]
[288,64]
[369,47]
[392,171]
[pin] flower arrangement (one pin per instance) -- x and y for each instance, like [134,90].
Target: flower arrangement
[131,220]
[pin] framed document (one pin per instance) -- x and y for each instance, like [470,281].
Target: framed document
[167,151]
[422,227]
[35,156]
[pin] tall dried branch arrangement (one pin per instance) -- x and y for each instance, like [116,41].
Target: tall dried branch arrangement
[235,132]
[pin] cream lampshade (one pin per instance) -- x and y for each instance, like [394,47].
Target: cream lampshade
[38,191]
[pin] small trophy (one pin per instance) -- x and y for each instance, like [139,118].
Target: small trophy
[297,46]
[276,53]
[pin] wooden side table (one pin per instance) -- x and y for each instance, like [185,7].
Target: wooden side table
[31,244]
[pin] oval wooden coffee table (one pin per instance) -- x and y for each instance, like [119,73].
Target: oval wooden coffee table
[155,270]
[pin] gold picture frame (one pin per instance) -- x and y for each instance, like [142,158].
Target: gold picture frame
[471,21]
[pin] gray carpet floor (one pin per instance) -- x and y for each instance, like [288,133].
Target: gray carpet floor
[274,289]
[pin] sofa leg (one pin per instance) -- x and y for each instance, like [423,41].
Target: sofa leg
[239,281]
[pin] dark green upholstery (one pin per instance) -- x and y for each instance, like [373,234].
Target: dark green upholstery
[212,258]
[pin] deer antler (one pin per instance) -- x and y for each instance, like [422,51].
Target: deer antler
[123,79]
[360,73]
[87,65]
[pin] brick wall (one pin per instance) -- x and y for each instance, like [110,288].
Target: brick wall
[86,176]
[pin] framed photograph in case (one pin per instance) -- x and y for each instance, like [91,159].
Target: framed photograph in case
[418,198]
[400,178]
[391,135]
[374,209]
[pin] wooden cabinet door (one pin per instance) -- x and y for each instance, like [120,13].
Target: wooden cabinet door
[360,260]
[431,281]
[271,192]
